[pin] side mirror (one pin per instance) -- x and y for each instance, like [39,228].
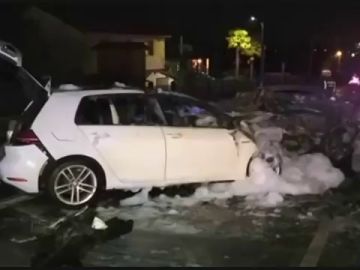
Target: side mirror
[207,121]
[227,123]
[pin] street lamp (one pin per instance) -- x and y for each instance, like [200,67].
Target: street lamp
[262,63]
[338,56]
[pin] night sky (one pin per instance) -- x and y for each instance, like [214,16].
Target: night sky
[290,25]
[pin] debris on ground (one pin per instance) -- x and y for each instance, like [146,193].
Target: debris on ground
[24,240]
[68,239]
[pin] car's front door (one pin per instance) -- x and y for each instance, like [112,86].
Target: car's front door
[197,148]
[132,145]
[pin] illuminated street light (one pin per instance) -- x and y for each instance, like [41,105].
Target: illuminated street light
[252,19]
[338,54]
[352,55]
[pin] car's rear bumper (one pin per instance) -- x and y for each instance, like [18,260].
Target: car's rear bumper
[21,167]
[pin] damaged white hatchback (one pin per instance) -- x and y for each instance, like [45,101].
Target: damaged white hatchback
[75,144]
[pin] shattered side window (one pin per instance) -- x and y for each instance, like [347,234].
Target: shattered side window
[130,109]
[180,112]
[154,112]
[138,110]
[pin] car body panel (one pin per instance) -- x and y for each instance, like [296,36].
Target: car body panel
[23,162]
[136,154]
[202,154]
[62,137]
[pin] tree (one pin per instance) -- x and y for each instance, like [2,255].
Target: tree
[243,44]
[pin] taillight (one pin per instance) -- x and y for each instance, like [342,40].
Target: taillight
[26,137]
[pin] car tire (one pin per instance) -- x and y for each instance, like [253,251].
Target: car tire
[74,184]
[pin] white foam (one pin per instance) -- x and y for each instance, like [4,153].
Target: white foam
[301,174]
[306,174]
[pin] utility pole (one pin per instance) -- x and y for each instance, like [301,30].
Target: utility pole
[310,59]
[263,50]
[237,62]
[251,60]
[262,64]
[181,46]
[182,64]
[283,67]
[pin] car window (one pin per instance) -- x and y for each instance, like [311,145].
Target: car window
[138,110]
[121,109]
[94,111]
[183,112]
[130,109]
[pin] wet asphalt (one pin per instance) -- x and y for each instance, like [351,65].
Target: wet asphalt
[268,241]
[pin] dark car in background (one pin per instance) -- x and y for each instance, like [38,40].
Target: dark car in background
[315,119]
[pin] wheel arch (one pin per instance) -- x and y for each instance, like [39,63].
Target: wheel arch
[255,155]
[52,164]
[248,165]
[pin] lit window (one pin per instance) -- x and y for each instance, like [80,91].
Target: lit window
[150,47]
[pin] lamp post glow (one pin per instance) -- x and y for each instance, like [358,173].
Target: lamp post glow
[338,56]
[262,63]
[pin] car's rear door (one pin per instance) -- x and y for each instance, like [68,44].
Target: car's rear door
[132,145]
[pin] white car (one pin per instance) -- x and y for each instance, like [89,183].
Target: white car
[75,144]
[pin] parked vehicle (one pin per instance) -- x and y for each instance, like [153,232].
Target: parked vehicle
[73,144]
[82,142]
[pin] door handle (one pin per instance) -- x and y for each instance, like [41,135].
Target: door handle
[175,135]
[101,134]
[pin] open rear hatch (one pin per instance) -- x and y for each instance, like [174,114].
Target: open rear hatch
[21,95]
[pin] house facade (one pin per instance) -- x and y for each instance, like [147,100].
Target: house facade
[151,66]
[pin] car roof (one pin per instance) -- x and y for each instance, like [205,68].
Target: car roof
[95,92]
[83,93]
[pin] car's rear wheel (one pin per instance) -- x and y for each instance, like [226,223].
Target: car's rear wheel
[74,184]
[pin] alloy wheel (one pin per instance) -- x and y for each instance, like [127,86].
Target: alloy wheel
[75,185]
